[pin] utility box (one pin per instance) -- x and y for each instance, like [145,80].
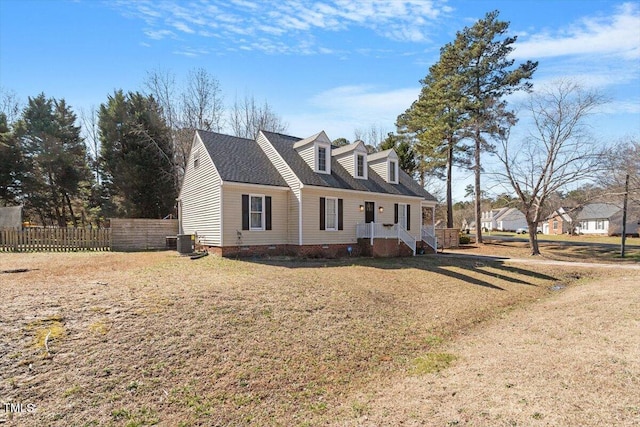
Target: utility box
[186,243]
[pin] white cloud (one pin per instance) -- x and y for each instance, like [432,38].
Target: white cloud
[617,35]
[400,20]
[181,26]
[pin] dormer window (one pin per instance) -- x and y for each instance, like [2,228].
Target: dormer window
[393,172]
[322,159]
[360,166]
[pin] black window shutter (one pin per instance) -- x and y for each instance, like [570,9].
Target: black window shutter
[408,216]
[340,223]
[395,213]
[245,211]
[322,213]
[267,202]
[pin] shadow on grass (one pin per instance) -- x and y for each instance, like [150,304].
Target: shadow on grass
[602,253]
[470,269]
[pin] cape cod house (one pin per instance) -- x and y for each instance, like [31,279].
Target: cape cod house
[285,195]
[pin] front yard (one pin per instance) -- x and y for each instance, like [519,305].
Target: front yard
[153,338]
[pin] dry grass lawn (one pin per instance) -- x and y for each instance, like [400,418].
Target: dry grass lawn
[156,339]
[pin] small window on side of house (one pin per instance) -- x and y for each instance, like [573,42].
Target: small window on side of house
[196,159]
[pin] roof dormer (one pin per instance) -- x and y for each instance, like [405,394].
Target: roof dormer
[353,158]
[316,151]
[385,163]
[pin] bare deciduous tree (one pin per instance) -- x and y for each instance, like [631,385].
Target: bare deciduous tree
[559,151]
[10,105]
[247,118]
[202,102]
[199,105]
[89,121]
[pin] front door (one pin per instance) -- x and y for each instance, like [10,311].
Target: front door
[369,212]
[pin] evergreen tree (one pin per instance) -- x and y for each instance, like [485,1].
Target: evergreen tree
[11,165]
[136,157]
[482,60]
[402,146]
[437,119]
[55,159]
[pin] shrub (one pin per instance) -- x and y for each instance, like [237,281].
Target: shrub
[465,240]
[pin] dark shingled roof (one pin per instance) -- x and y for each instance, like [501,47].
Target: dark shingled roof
[339,177]
[597,211]
[240,160]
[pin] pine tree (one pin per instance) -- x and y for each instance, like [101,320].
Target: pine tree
[55,159]
[482,58]
[437,119]
[136,157]
[11,165]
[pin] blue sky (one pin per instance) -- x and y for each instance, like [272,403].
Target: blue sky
[322,65]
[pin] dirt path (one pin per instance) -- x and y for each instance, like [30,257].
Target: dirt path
[572,359]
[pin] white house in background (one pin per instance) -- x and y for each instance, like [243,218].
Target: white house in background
[503,219]
[280,194]
[594,218]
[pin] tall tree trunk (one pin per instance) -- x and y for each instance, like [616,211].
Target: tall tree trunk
[533,238]
[449,185]
[73,217]
[476,170]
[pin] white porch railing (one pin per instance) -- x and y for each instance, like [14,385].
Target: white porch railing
[373,230]
[429,236]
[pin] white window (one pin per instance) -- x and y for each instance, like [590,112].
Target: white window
[256,212]
[331,213]
[360,165]
[600,224]
[196,159]
[584,225]
[402,215]
[322,159]
[392,171]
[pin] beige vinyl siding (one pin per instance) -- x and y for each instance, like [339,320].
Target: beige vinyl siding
[232,206]
[308,154]
[312,235]
[293,226]
[381,168]
[200,198]
[347,160]
[294,184]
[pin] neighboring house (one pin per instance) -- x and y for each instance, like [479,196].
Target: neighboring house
[633,222]
[503,219]
[595,218]
[285,195]
[558,222]
[11,217]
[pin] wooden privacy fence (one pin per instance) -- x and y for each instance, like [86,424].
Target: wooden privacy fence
[56,239]
[140,234]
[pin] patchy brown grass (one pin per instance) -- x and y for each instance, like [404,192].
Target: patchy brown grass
[153,338]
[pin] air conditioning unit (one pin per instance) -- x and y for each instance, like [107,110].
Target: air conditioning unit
[186,243]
